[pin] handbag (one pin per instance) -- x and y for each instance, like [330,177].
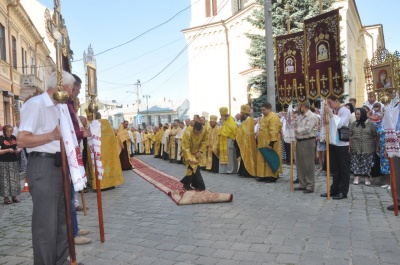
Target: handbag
[344,134]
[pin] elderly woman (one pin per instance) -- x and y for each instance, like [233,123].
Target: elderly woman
[9,167]
[363,145]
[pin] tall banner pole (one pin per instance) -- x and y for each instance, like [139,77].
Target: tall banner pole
[291,166]
[58,34]
[328,163]
[93,108]
[393,186]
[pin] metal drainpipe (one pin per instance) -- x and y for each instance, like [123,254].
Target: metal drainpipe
[15,4]
[229,65]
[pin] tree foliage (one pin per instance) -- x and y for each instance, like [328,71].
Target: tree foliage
[299,10]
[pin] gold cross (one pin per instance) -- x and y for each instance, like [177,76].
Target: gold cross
[300,87]
[281,89]
[312,81]
[289,88]
[336,77]
[323,79]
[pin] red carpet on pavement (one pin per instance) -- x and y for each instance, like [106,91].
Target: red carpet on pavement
[174,188]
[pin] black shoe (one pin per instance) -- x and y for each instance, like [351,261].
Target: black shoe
[187,187]
[299,188]
[339,196]
[391,207]
[326,194]
[308,191]
[296,181]
[270,179]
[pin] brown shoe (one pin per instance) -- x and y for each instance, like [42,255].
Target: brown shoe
[80,240]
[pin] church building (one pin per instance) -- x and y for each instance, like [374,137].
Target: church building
[219,65]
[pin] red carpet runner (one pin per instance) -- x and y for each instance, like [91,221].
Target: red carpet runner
[174,189]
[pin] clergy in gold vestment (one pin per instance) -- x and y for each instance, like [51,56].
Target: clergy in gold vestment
[157,141]
[246,143]
[269,136]
[206,127]
[178,139]
[172,146]
[213,145]
[227,135]
[194,143]
[147,142]
[109,159]
[124,144]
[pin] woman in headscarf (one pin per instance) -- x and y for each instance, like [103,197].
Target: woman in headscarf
[363,144]
[9,168]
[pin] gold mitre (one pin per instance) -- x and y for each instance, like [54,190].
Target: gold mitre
[213,118]
[223,111]
[245,109]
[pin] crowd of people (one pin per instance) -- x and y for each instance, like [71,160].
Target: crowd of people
[237,144]
[241,144]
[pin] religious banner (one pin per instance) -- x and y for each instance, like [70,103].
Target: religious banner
[290,70]
[324,67]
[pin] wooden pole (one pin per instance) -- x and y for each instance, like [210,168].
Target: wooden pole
[83,203]
[327,159]
[287,7]
[320,7]
[99,201]
[291,166]
[393,186]
[67,200]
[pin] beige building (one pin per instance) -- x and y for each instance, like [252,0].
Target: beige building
[24,58]
[219,66]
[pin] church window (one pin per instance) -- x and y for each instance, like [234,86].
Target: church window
[211,5]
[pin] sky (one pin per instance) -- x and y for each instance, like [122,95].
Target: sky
[106,24]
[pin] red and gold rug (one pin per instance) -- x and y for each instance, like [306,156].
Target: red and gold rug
[174,188]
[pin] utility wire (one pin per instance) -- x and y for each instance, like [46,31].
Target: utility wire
[186,46]
[144,33]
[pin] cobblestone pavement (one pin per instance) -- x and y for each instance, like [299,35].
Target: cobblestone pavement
[265,224]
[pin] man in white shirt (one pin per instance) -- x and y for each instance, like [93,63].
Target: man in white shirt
[40,134]
[339,151]
[371,101]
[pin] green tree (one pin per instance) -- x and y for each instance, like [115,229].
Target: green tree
[299,10]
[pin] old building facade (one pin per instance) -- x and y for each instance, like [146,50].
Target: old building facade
[24,57]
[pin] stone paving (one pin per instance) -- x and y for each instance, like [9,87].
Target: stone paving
[265,224]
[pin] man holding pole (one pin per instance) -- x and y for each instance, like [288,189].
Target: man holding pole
[305,129]
[338,150]
[40,135]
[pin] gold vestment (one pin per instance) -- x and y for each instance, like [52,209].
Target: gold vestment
[270,128]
